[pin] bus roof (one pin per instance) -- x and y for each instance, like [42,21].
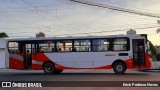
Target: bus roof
[77,37]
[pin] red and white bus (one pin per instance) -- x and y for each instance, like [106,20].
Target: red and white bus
[53,55]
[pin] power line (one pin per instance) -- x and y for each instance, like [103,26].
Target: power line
[108,31]
[56,14]
[71,25]
[38,9]
[12,17]
[29,33]
[117,8]
[48,18]
[119,1]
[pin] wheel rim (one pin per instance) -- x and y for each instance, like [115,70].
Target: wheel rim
[119,68]
[48,69]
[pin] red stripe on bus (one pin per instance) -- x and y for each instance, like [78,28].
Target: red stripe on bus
[64,67]
[36,67]
[148,62]
[129,63]
[16,64]
[21,54]
[40,57]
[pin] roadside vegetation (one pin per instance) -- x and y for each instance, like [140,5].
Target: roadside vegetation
[3,35]
[158,48]
[158,53]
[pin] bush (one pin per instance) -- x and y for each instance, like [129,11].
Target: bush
[3,35]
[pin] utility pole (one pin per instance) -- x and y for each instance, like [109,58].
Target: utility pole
[56,12]
[49,30]
[46,9]
[37,9]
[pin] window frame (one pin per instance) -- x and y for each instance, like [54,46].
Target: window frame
[128,44]
[18,50]
[44,42]
[108,39]
[90,46]
[63,40]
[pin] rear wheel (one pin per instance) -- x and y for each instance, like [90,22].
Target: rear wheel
[119,68]
[49,68]
[58,71]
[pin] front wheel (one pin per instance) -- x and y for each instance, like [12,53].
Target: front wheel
[119,68]
[49,68]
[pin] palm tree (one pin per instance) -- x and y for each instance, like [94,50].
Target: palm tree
[158,30]
[152,51]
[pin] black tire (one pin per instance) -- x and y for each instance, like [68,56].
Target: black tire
[58,71]
[49,68]
[119,68]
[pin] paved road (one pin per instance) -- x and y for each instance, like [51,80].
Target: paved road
[81,75]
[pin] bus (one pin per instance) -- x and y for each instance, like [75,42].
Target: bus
[55,54]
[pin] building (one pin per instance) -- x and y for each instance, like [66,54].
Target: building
[40,35]
[3,53]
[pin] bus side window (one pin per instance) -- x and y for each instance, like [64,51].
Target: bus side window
[74,50]
[100,45]
[103,49]
[125,48]
[64,46]
[53,50]
[82,45]
[59,49]
[120,44]
[41,49]
[46,46]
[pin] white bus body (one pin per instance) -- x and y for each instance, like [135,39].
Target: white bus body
[119,52]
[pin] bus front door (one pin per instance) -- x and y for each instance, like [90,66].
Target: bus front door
[138,53]
[30,53]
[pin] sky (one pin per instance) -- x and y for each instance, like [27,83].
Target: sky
[25,18]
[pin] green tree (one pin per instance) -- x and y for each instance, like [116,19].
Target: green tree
[3,35]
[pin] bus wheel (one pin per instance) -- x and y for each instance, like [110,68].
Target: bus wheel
[49,68]
[119,68]
[58,71]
